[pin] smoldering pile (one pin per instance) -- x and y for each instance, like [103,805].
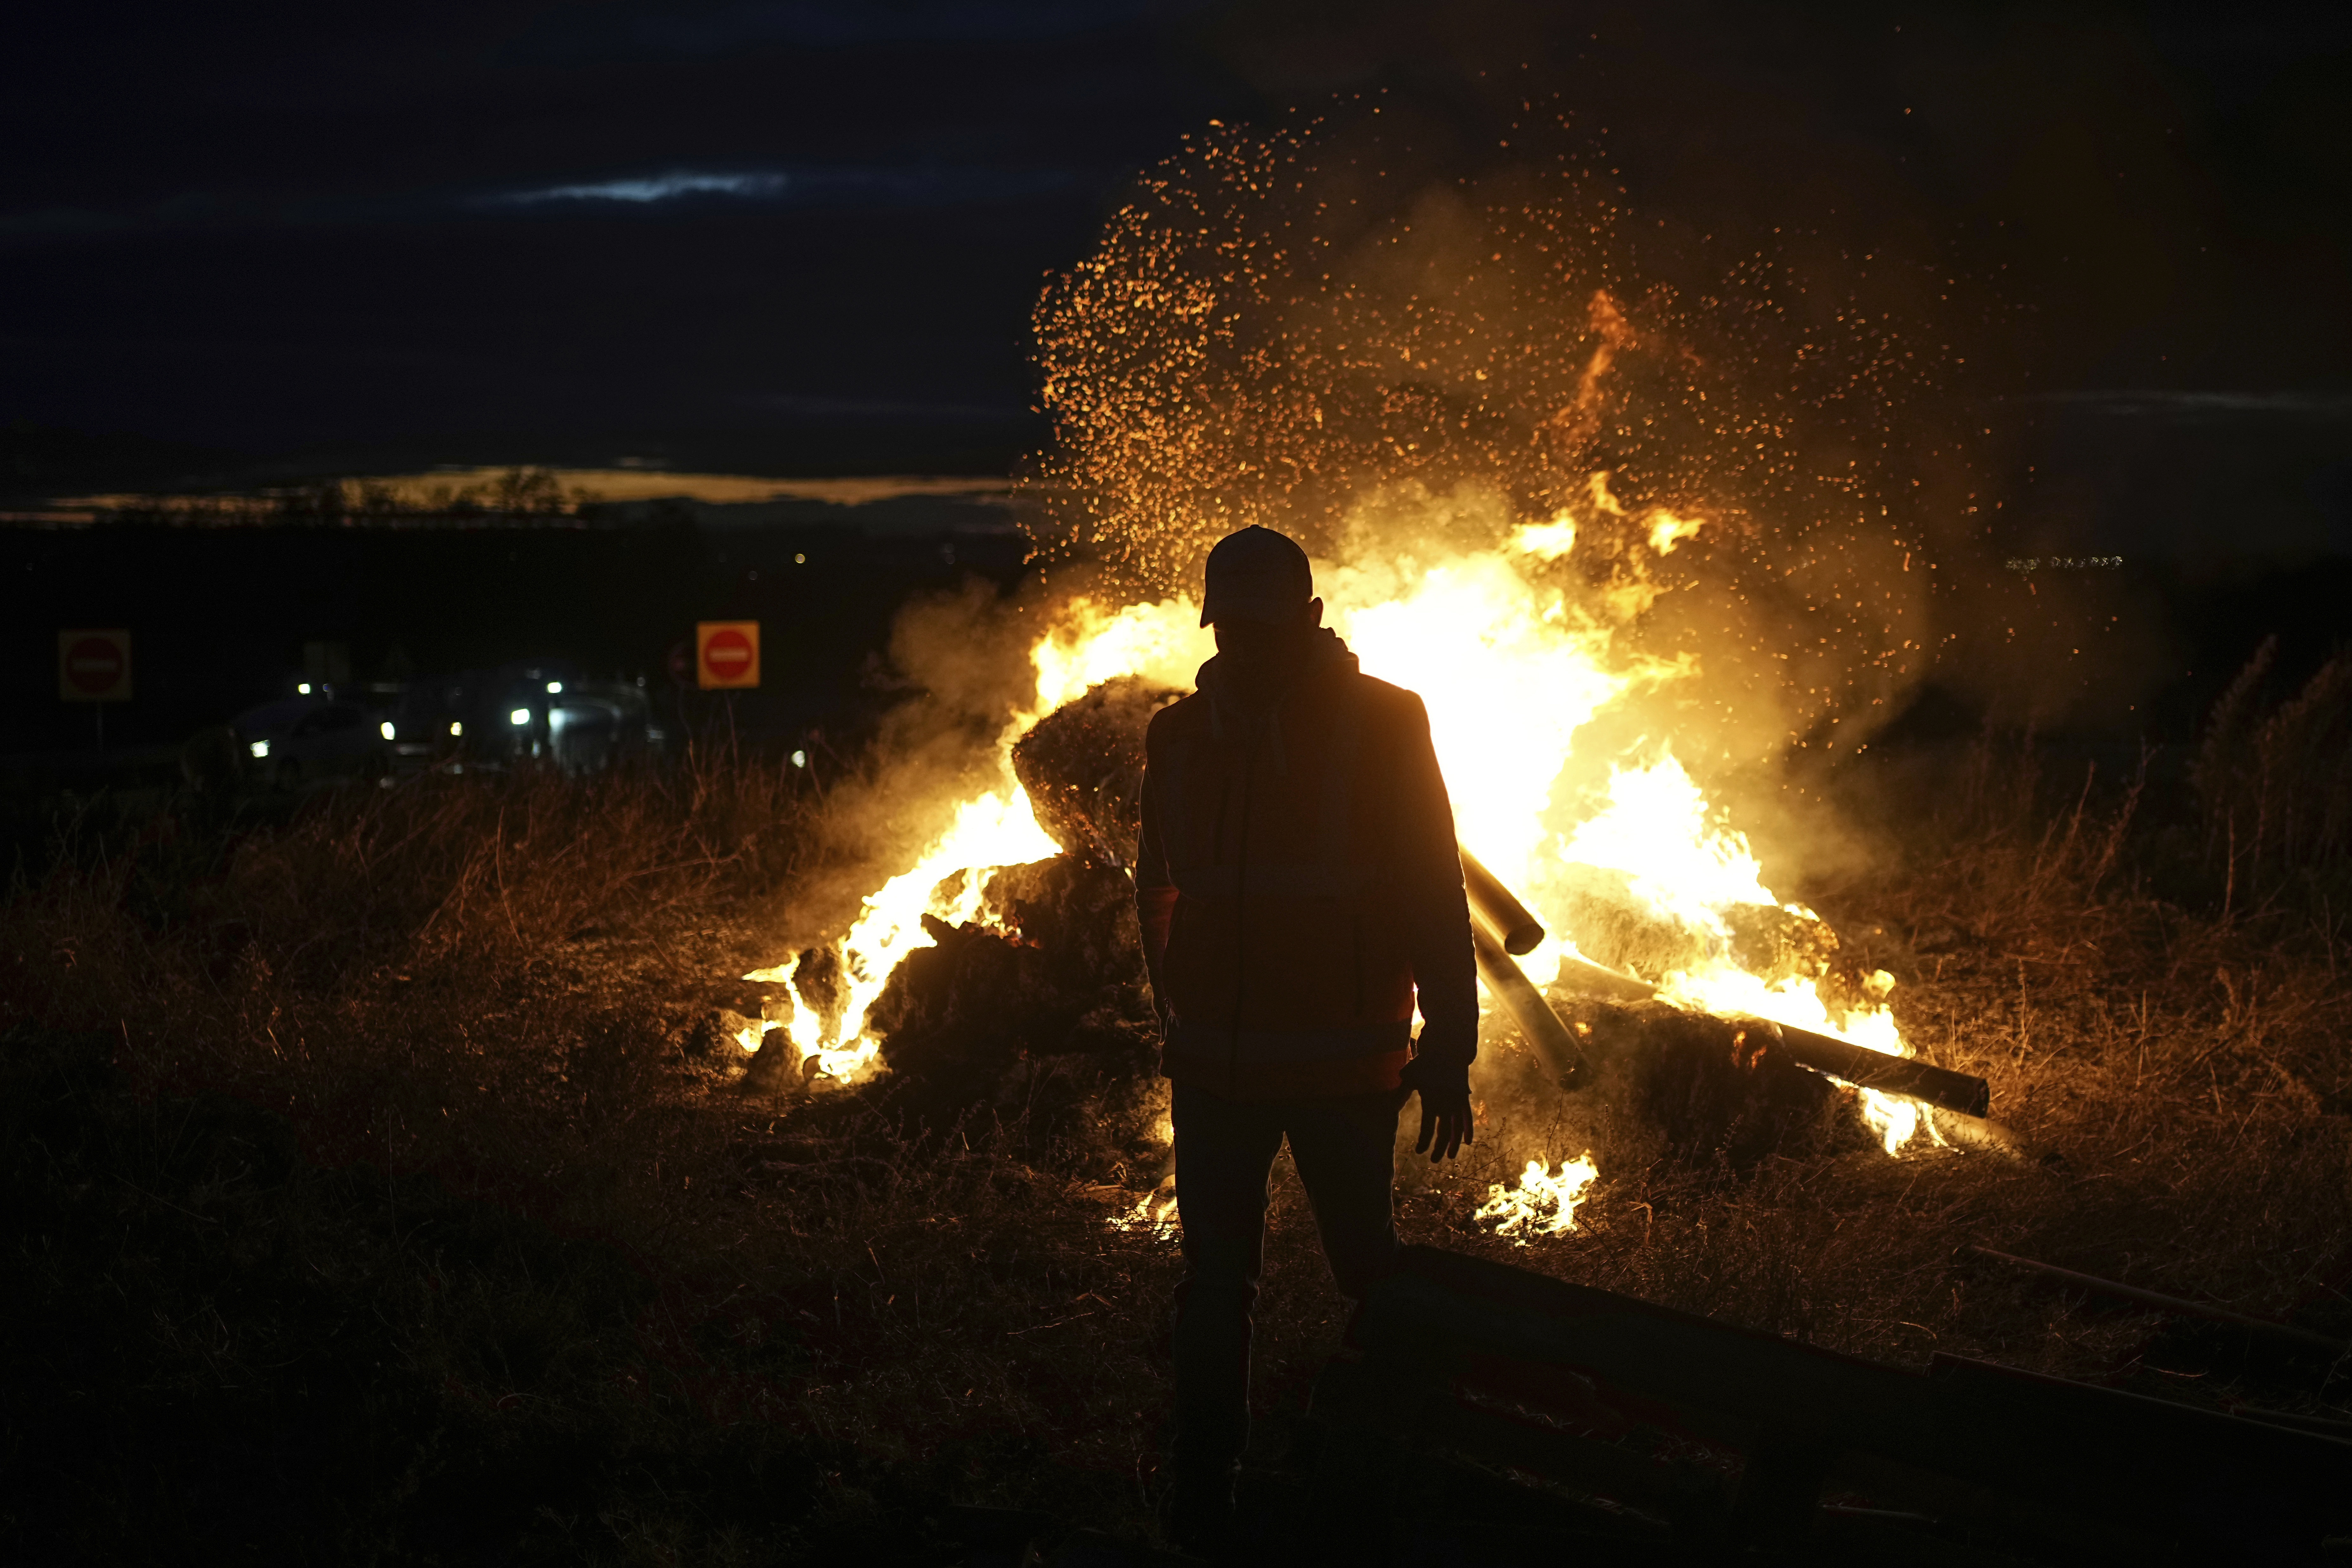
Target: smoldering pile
[1039,1009]
[1036,1014]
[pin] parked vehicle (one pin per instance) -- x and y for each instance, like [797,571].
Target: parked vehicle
[302,740]
[543,710]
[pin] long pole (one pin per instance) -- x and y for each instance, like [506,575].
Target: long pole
[1500,922]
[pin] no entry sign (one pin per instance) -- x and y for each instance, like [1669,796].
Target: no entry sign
[94,665]
[726,655]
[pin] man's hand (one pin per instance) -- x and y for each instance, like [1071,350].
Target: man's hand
[1444,1090]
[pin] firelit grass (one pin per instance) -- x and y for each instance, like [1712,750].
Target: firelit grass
[375,1208]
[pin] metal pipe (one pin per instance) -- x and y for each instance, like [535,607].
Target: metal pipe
[1961,1094]
[1603,981]
[1525,1004]
[1501,921]
[2334,1349]
[1515,926]
[1979,1132]
[1864,1068]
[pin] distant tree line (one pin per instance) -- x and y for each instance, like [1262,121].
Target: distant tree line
[515,493]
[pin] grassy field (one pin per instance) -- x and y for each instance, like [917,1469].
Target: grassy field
[378,1198]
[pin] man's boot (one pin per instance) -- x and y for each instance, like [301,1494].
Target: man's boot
[1196,1512]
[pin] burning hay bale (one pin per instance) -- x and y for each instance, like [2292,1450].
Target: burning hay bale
[1615,926]
[1021,988]
[1704,1090]
[1083,769]
[1044,1014]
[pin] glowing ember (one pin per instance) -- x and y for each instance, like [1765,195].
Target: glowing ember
[1540,491]
[1512,663]
[1543,1203]
[990,831]
[1154,1215]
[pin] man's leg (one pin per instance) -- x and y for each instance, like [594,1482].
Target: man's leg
[1345,1149]
[1224,1152]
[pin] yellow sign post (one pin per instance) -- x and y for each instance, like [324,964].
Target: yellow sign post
[726,655]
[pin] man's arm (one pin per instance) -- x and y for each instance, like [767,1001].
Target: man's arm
[1436,913]
[1437,936]
[1155,890]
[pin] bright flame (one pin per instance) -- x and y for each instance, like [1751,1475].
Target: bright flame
[1154,1215]
[1656,830]
[1544,1202]
[1507,672]
[1512,658]
[1666,529]
[990,830]
[1547,540]
[1091,644]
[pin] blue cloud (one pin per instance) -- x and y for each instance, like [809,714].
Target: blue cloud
[816,185]
[828,186]
[653,188]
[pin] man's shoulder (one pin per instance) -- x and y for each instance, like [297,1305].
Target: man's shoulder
[1186,712]
[1397,704]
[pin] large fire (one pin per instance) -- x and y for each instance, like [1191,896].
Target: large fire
[1624,537]
[1512,664]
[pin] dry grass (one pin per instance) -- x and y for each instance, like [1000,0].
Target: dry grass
[2179,1070]
[487,988]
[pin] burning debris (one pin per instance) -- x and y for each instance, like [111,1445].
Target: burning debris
[1020,988]
[1082,768]
[1603,529]
[1041,1013]
[1542,1201]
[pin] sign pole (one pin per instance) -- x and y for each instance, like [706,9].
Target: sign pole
[94,666]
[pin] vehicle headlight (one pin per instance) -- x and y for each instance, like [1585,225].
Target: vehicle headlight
[259,748]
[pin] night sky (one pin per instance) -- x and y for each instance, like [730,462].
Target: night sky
[802,235]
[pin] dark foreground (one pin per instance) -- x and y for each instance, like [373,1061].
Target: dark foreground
[379,1195]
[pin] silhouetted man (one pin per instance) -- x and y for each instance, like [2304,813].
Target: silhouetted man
[1300,889]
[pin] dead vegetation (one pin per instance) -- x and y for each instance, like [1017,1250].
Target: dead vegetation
[806,1326]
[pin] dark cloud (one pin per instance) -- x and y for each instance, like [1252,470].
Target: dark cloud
[659,194]
[907,185]
[2152,403]
[635,33]
[507,220]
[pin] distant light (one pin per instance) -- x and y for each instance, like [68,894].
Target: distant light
[800,759]
[554,687]
[385,729]
[797,561]
[456,728]
[304,689]
[520,716]
[259,748]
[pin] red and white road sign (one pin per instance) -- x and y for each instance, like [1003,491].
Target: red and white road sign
[94,665]
[726,655]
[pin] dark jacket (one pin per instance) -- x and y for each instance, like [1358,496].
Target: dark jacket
[1299,882]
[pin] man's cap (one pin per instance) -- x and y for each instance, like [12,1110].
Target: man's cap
[1256,574]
